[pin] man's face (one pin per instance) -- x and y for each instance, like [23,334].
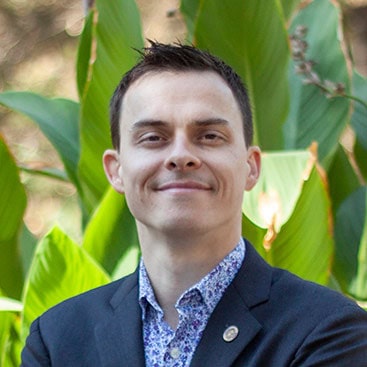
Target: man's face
[183,163]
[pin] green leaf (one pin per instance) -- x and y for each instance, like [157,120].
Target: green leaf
[12,206]
[60,269]
[50,172]
[359,288]
[111,232]
[253,40]
[10,343]
[272,200]
[254,234]
[342,178]
[314,117]
[305,245]
[28,244]
[84,54]
[359,117]
[58,120]
[190,9]
[360,155]
[128,263]
[294,215]
[116,32]
[359,122]
[6,319]
[288,7]
[350,237]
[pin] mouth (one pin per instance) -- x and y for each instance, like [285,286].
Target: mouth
[182,186]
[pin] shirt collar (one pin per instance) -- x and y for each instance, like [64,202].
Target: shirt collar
[209,289]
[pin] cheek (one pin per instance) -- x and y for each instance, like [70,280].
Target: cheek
[230,180]
[137,175]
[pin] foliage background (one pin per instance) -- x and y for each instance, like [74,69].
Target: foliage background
[38,46]
[52,73]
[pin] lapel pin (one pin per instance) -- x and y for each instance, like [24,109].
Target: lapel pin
[230,333]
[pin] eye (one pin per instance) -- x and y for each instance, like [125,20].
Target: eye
[211,138]
[151,139]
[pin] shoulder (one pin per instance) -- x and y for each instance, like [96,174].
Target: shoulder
[87,306]
[282,287]
[71,325]
[276,295]
[300,291]
[311,324]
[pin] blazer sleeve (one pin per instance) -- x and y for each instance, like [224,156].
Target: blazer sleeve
[339,340]
[35,353]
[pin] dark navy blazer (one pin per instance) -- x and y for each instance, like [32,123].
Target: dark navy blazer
[282,321]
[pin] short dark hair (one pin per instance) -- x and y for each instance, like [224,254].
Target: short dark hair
[181,58]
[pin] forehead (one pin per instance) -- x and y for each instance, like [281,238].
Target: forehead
[170,94]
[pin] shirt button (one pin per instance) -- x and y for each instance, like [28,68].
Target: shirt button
[175,352]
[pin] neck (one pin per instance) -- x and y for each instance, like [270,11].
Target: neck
[176,263]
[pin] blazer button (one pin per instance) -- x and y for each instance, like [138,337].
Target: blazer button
[230,333]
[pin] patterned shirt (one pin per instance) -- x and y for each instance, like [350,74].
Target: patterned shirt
[175,348]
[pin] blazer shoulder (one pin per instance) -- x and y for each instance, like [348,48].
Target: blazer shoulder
[286,292]
[309,292]
[87,305]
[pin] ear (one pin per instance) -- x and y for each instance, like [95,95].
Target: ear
[112,168]
[254,163]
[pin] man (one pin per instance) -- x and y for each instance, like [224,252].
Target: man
[181,129]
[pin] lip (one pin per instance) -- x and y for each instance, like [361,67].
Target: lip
[183,186]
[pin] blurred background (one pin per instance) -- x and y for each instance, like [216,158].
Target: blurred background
[38,46]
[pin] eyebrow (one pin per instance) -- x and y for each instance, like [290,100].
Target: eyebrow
[159,123]
[147,123]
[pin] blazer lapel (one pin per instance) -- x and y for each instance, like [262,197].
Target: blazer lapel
[250,288]
[119,337]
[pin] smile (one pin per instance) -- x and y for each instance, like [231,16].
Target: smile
[179,186]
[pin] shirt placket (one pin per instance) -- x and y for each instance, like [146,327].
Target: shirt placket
[176,353]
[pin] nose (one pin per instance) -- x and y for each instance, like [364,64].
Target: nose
[182,156]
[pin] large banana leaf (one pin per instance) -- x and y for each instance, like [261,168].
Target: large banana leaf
[314,117]
[111,232]
[350,265]
[12,206]
[273,199]
[28,243]
[115,32]
[359,122]
[251,37]
[58,120]
[359,117]
[127,263]
[10,344]
[190,11]
[84,54]
[360,154]
[305,244]
[360,284]
[342,178]
[6,320]
[291,208]
[288,7]
[60,269]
